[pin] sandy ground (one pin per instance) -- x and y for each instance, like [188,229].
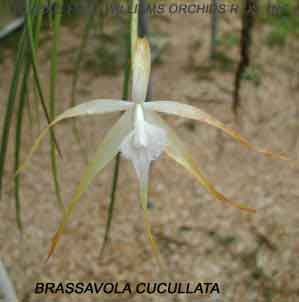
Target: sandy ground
[254,257]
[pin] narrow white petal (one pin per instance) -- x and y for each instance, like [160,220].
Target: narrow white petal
[95,107]
[180,109]
[191,112]
[88,108]
[141,70]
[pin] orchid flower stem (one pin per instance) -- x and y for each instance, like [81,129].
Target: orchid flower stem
[10,106]
[55,23]
[125,96]
[111,203]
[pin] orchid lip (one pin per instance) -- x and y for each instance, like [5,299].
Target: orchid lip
[143,144]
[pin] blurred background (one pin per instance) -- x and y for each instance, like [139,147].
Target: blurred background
[240,67]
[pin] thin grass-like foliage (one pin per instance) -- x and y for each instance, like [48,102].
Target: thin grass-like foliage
[26,66]
[22,103]
[10,105]
[84,40]
[55,22]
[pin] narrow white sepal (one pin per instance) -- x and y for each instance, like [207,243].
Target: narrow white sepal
[141,68]
[144,144]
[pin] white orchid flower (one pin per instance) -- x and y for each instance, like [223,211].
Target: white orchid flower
[141,135]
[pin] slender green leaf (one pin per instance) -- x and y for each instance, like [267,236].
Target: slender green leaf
[19,120]
[11,104]
[111,203]
[22,102]
[125,96]
[39,22]
[79,58]
[38,26]
[30,116]
[54,61]
[30,31]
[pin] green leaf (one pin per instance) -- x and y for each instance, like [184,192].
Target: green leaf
[125,96]
[53,77]
[10,105]
[87,29]
[79,57]
[19,123]
[30,33]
